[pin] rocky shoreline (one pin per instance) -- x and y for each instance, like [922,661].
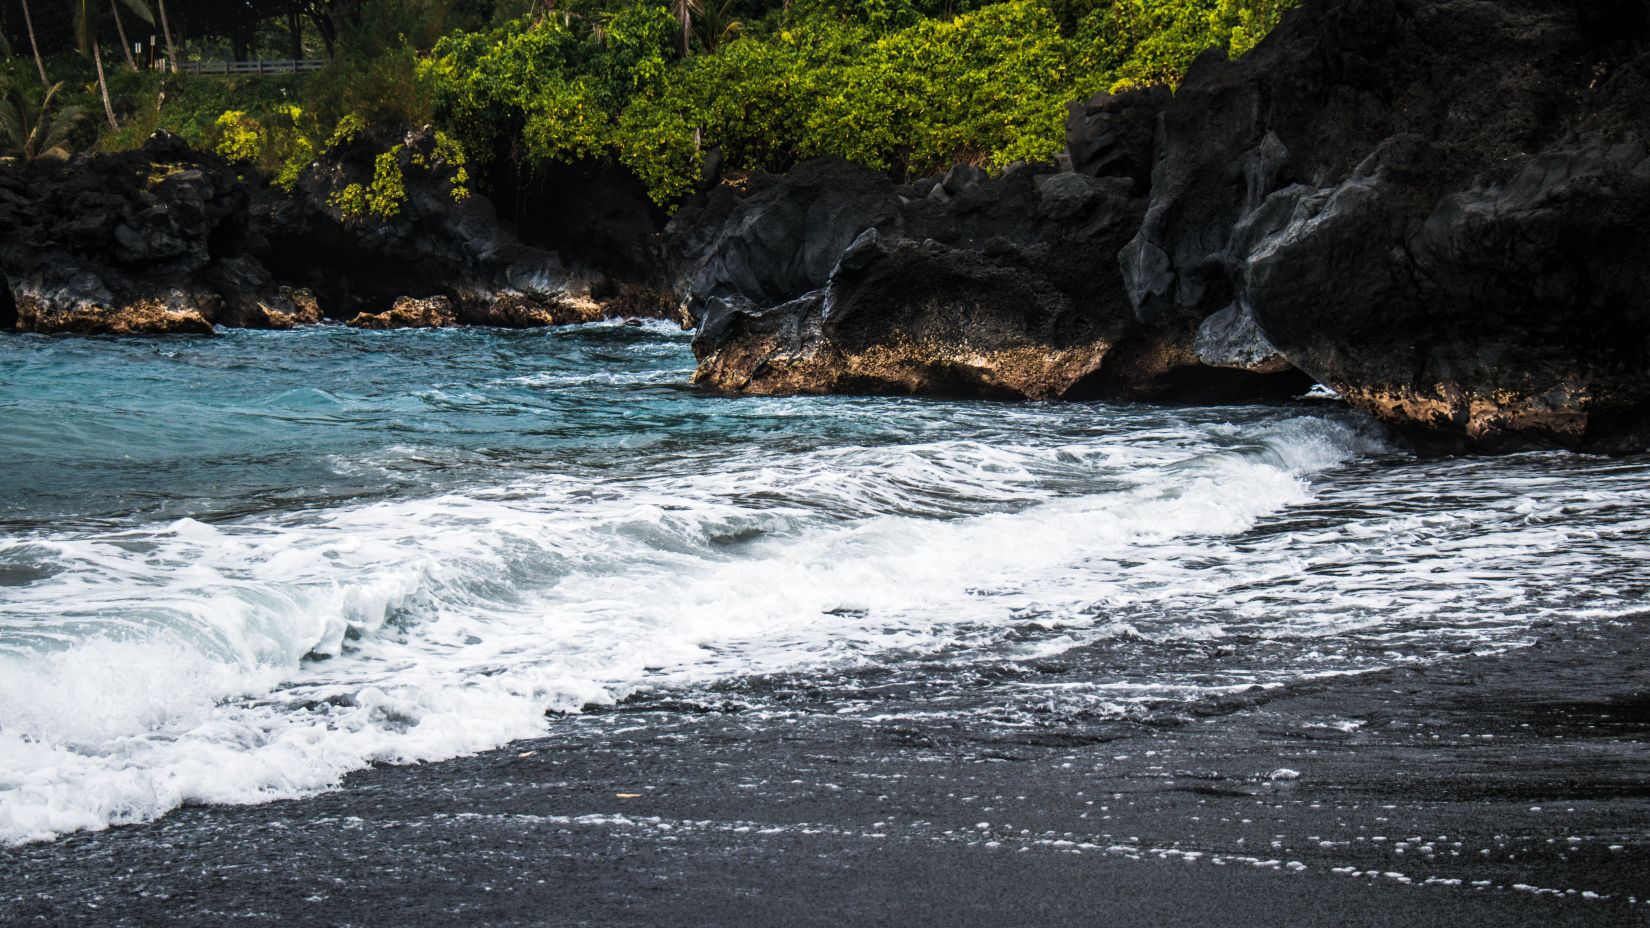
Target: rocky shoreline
[1438,209]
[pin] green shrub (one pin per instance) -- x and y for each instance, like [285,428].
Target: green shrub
[1138,43]
[987,86]
[382,198]
[278,144]
[239,138]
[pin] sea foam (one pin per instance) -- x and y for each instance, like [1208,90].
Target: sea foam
[245,566]
[265,658]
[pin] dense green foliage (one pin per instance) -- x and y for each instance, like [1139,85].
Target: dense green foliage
[906,85]
[881,82]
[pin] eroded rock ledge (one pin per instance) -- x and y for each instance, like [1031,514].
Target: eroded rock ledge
[1439,208]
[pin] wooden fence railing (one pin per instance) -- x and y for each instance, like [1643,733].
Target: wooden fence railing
[256,66]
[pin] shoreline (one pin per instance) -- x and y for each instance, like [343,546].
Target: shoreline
[1378,799]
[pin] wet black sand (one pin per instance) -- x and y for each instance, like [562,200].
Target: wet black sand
[1492,790]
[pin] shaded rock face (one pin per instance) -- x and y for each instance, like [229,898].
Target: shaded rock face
[1439,208]
[777,238]
[833,279]
[8,306]
[144,242]
[594,215]
[458,249]
[1112,136]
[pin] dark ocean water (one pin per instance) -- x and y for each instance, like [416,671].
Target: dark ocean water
[234,569]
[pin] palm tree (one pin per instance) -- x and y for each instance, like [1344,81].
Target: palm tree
[684,11]
[29,131]
[85,34]
[716,24]
[125,43]
[166,29]
[28,20]
[599,25]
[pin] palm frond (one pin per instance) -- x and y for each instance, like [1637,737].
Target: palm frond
[32,130]
[140,9]
[50,138]
[55,139]
[717,25]
[13,108]
[85,25]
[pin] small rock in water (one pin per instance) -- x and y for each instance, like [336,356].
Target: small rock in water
[1284,773]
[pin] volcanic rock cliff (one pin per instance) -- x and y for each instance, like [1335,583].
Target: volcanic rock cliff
[168,239]
[1439,208]
[833,279]
[143,242]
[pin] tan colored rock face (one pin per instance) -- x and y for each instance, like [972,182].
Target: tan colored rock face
[304,310]
[1561,412]
[307,310]
[518,311]
[409,313]
[147,317]
[932,367]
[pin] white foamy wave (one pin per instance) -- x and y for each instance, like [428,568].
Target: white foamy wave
[604,379]
[645,323]
[265,659]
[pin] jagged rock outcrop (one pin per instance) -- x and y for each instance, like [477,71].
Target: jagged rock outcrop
[409,313]
[1117,136]
[1439,208]
[136,243]
[777,237]
[867,331]
[833,279]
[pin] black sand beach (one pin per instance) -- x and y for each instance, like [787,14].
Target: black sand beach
[1511,789]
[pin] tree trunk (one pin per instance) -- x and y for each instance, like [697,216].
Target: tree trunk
[103,86]
[326,29]
[295,25]
[172,62]
[38,61]
[120,30]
